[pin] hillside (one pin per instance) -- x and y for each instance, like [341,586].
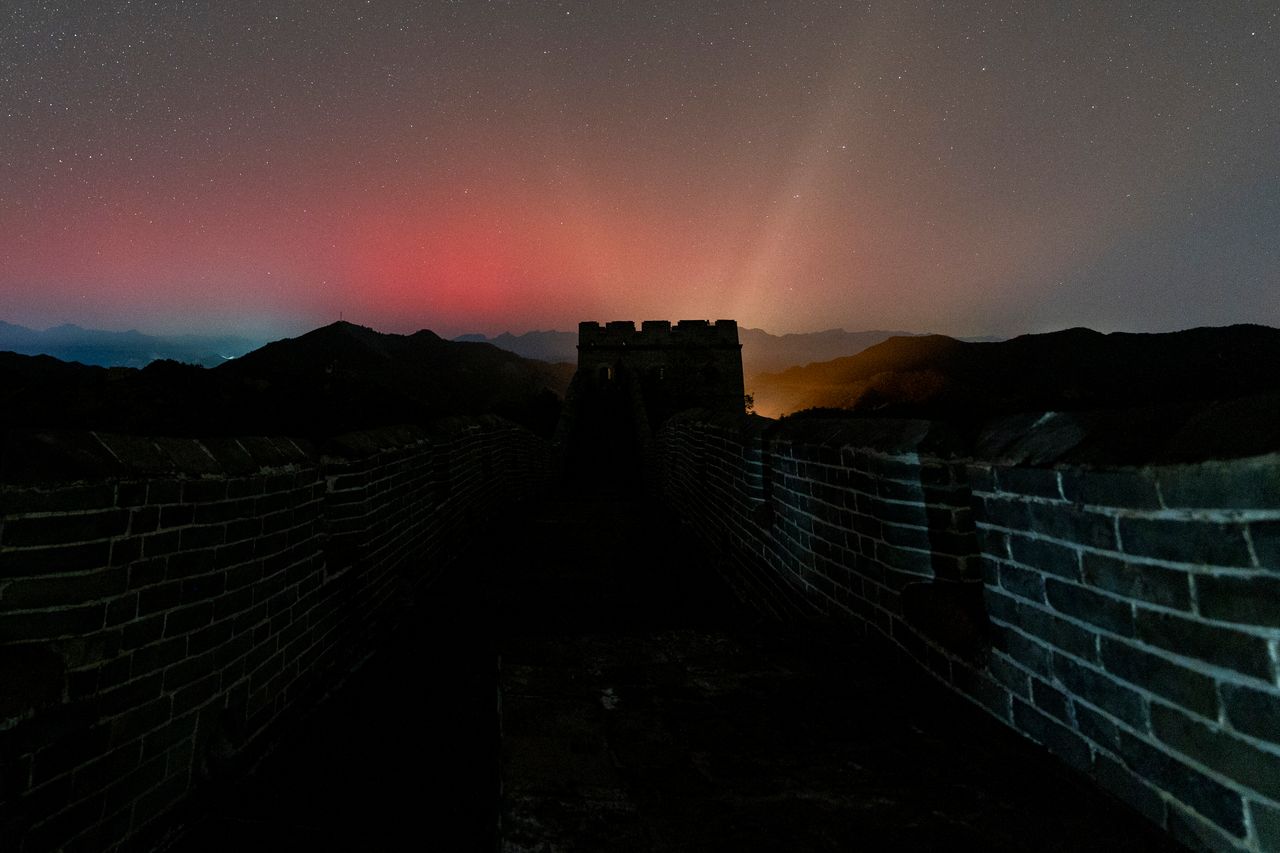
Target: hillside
[334,379]
[1219,383]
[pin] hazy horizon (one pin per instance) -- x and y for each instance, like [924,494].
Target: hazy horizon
[267,334]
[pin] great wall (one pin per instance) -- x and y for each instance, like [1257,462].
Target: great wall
[169,606]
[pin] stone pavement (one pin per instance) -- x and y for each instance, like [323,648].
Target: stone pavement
[643,710]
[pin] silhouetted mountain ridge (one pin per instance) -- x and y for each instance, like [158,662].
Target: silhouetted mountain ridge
[1171,381]
[1073,369]
[335,379]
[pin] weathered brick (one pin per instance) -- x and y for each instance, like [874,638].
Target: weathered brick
[131,694]
[188,618]
[57,590]
[54,832]
[1037,482]
[1057,738]
[1097,727]
[16,501]
[158,742]
[184,564]
[159,798]
[121,610]
[211,637]
[160,544]
[1071,524]
[1003,512]
[1101,690]
[909,561]
[1252,711]
[1218,645]
[1030,653]
[1110,614]
[1212,799]
[203,587]
[177,515]
[189,669]
[1185,541]
[1190,689]
[1050,699]
[95,775]
[51,624]
[164,491]
[69,752]
[1266,543]
[981,477]
[245,487]
[1155,584]
[58,529]
[1222,485]
[231,603]
[106,834]
[1121,782]
[202,536]
[1266,825]
[1022,582]
[1115,488]
[1220,750]
[20,562]
[1013,677]
[1253,600]
[243,530]
[144,520]
[163,596]
[222,511]
[143,631]
[993,542]
[1051,557]
[137,721]
[983,689]
[204,491]
[156,656]
[1056,631]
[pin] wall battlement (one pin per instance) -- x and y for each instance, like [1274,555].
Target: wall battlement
[658,333]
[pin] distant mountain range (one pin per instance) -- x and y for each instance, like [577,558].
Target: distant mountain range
[332,380]
[1178,395]
[122,349]
[762,352]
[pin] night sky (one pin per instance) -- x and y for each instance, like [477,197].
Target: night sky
[459,165]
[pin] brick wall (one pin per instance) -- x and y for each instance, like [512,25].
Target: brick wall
[161,622]
[1126,618]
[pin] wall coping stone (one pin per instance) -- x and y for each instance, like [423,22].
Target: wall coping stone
[61,457]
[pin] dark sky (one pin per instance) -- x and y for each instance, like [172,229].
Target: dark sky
[962,167]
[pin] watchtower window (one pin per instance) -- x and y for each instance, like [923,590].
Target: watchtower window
[604,374]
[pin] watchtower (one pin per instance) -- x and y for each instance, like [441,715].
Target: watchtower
[695,363]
